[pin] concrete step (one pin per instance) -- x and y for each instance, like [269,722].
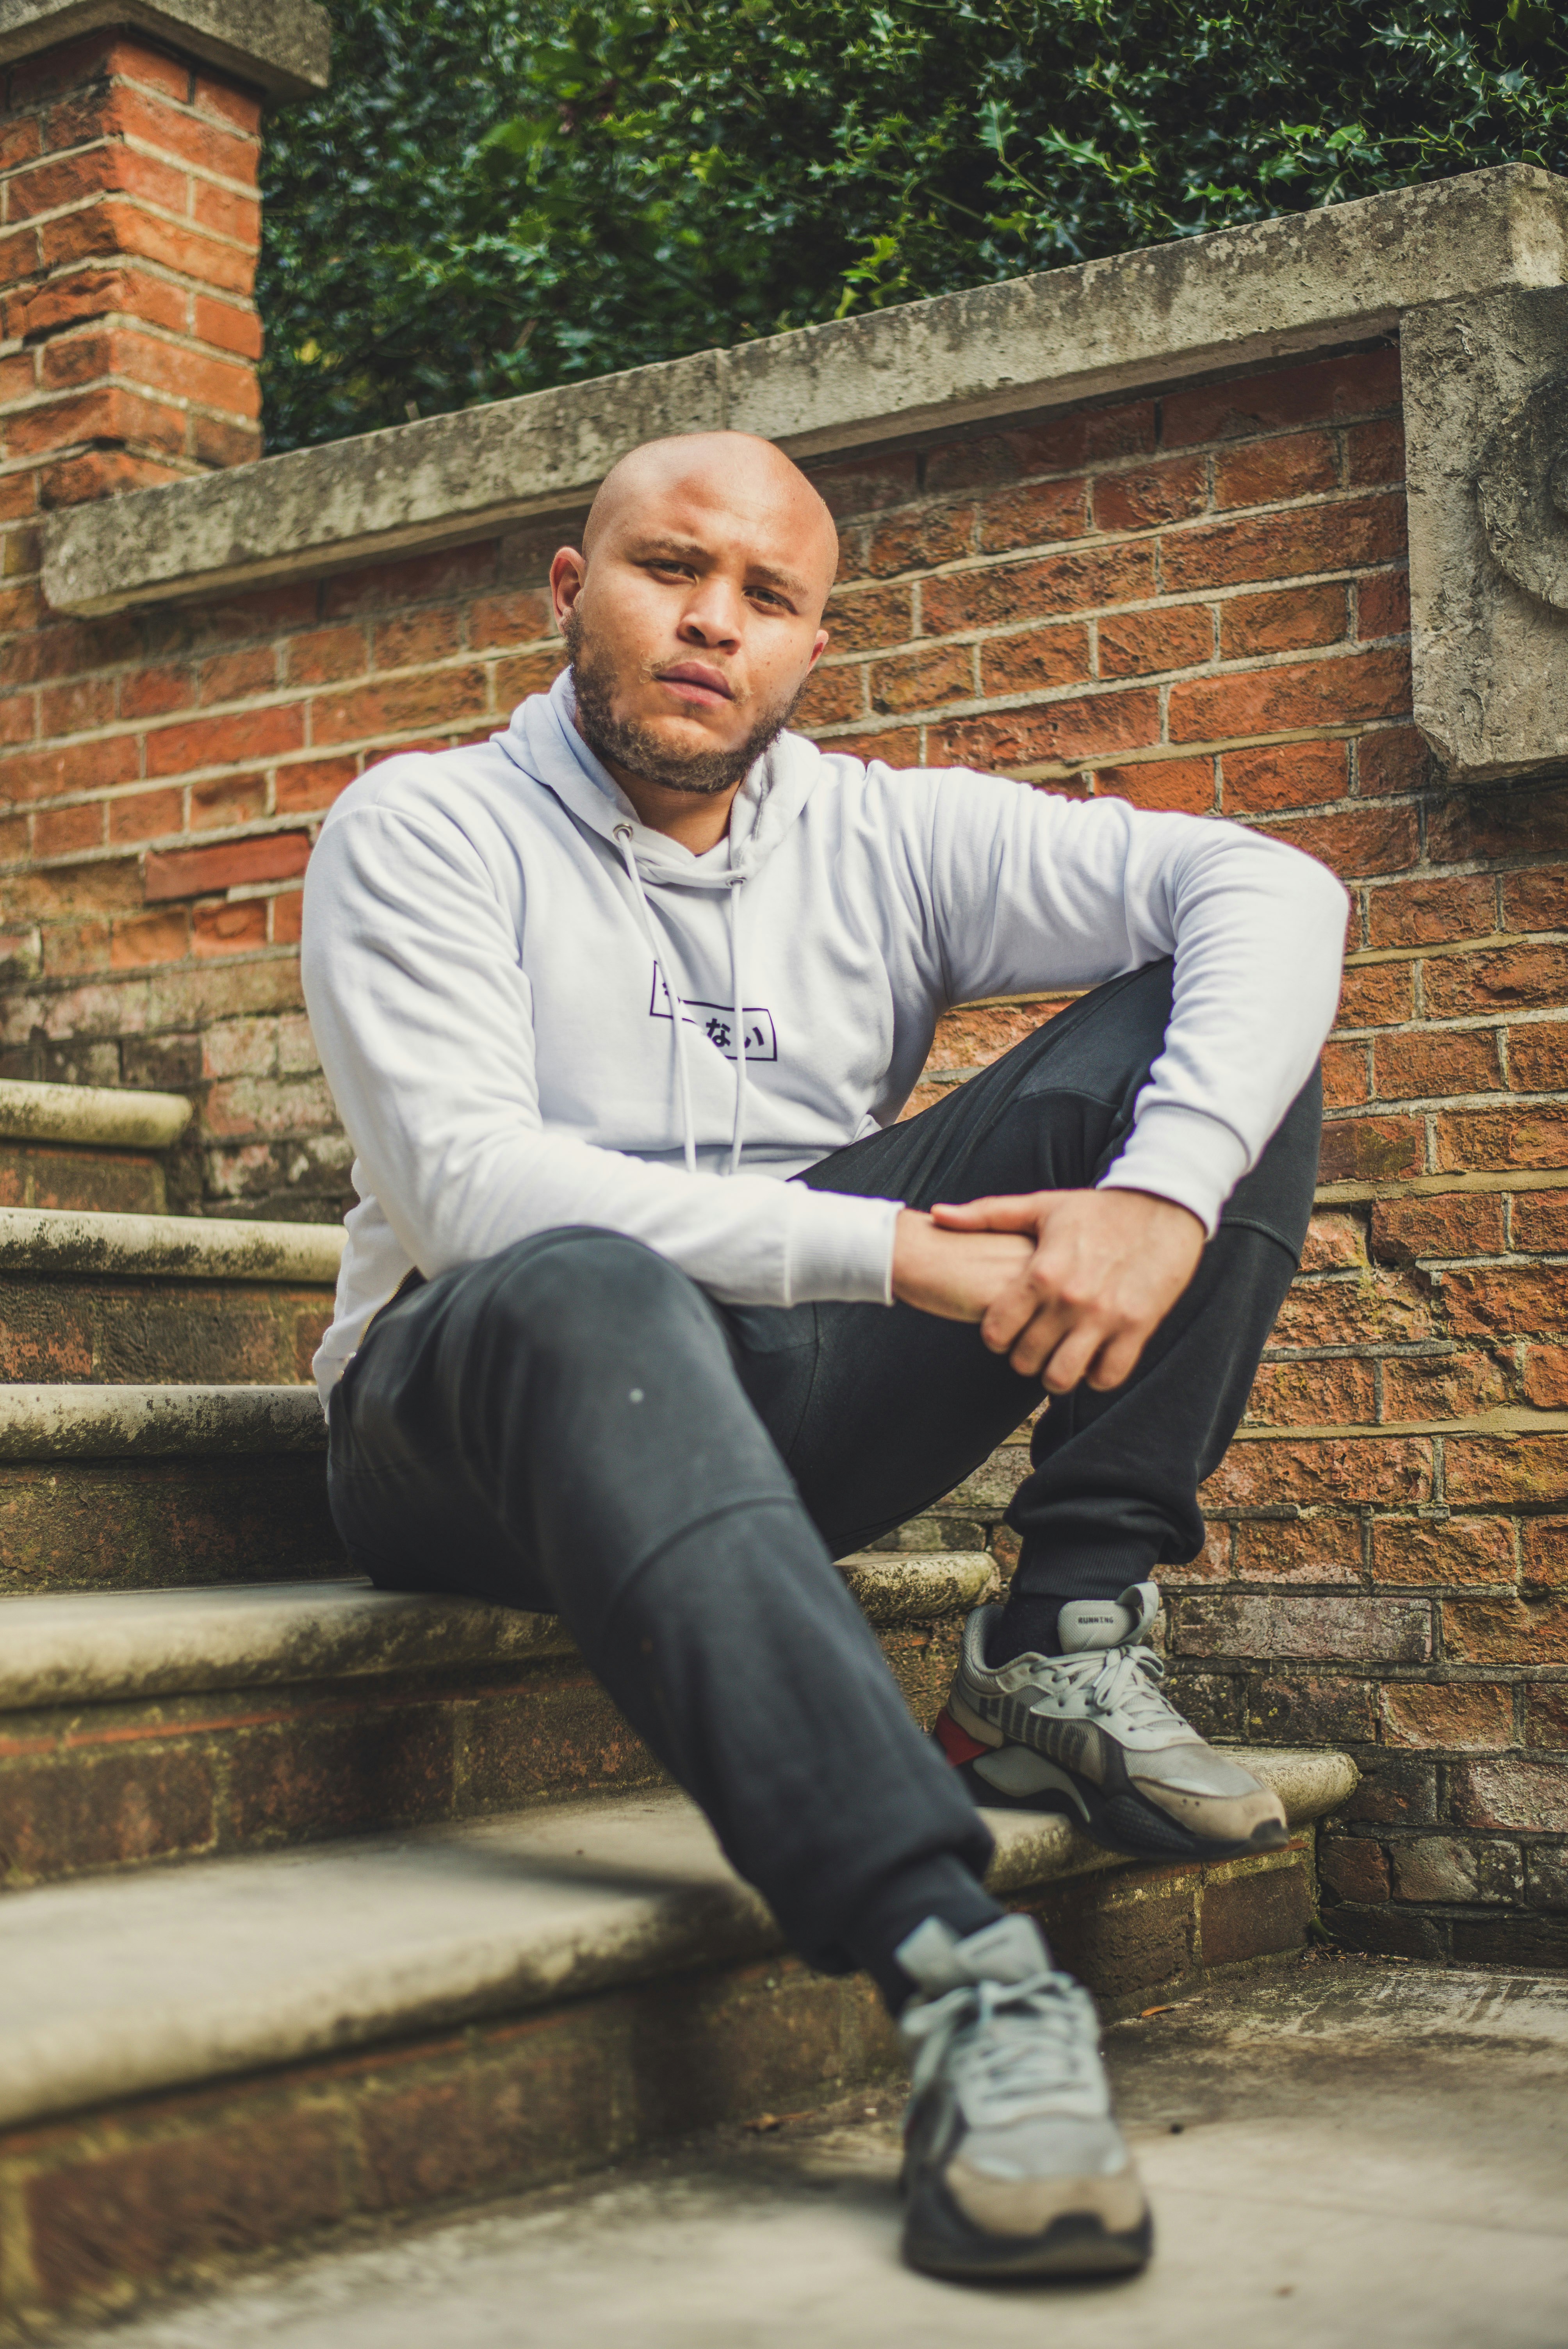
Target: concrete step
[87,1146]
[288,2040]
[1392,2133]
[113,1298]
[138,1726]
[138,1488]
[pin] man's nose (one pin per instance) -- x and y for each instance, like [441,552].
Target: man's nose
[714,617]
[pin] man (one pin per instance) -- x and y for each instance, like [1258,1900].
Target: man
[650,1308]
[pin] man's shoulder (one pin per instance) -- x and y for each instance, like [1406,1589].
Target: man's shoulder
[857,777]
[891,795]
[434,786]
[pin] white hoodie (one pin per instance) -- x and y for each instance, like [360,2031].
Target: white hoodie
[484,936]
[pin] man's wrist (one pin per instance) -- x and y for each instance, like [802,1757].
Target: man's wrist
[1181,1154]
[1154,1199]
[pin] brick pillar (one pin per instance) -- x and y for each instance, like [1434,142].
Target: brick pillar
[130,228]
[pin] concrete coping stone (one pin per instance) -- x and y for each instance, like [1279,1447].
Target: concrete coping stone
[1196,307]
[250,1964]
[120,1422]
[919,1586]
[113,1647]
[101,1115]
[284,46]
[168,1247]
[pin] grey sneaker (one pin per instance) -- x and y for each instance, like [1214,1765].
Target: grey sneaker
[1088,1733]
[1013,2164]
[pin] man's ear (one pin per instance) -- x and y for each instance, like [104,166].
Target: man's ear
[818,649]
[567,574]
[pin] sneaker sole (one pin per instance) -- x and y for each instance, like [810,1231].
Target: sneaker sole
[1124,1824]
[939,2241]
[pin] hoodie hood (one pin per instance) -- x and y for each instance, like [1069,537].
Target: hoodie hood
[543,741]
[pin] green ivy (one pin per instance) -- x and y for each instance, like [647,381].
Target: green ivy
[497,195]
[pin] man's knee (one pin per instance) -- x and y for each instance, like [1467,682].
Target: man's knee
[577,1289]
[1277,1197]
[1109,1039]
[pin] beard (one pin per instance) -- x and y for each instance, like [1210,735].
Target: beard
[641,749]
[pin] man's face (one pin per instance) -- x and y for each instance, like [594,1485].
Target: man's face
[692,618]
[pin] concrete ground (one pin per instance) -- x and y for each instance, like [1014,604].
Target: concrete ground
[1342,2153]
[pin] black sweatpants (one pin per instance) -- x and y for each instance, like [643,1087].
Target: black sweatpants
[572,1425]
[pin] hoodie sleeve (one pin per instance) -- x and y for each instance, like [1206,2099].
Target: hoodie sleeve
[1032,891]
[424,1022]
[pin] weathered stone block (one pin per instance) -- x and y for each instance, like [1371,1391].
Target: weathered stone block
[107,2224]
[1352,1867]
[1518,1942]
[1514,1791]
[1392,1792]
[86,1525]
[1211,1701]
[1312,1709]
[1120,1934]
[1417,1551]
[385,1765]
[1390,1932]
[1453,1715]
[1255,1915]
[1444,1869]
[1487,425]
[1382,1630]
[138,1802]
[554,1735]
[1546,1874]
[993,1485]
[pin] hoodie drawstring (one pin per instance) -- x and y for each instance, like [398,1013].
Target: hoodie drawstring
[677,1007]
[739,1134]
[623,836]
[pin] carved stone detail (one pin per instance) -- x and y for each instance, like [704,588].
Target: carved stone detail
[1522,486]
[1486,482]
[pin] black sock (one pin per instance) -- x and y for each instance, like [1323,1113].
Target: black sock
[1025,1627]
[931,1887]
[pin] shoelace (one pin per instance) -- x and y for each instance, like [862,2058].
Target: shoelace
[1121,1680]
[1010,2048]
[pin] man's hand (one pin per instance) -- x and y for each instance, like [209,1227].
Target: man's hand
[1070,1285]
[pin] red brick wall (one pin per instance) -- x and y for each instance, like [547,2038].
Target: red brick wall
[1197,603]
[128,230]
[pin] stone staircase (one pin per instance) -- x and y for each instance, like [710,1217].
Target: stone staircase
[441,1926]
[89,1146]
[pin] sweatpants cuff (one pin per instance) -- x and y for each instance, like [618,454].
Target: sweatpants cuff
[941,1887]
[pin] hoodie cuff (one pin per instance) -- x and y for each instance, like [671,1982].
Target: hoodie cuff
[1180,1153]
[839,1248]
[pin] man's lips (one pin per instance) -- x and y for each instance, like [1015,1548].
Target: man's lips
[695,681]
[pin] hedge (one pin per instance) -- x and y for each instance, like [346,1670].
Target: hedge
[497,195]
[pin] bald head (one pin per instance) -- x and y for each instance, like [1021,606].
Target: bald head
[736,474]
[693,610]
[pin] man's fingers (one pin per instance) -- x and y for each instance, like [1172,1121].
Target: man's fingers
[1071,1361]
[1017,1308]
[1085,1351]
[1117,1361]
[998,1214]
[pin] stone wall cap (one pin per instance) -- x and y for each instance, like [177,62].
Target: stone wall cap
[244,1964]
[1242,296]
[168,1247]
[284,46]
[104,1116]
[134,1422]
